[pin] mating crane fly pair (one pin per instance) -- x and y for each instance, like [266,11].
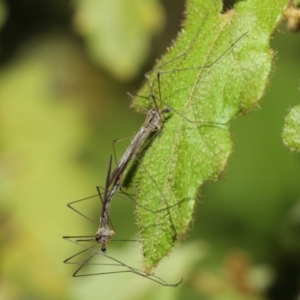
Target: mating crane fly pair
[153,124]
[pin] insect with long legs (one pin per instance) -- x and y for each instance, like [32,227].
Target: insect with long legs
[153,123]
[102,238]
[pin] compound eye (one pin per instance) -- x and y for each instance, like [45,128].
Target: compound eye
[103,249]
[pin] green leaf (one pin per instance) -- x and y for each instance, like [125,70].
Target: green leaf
[185,154]
[291,129]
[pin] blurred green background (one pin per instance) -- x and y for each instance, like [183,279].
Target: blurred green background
[65,69]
